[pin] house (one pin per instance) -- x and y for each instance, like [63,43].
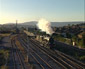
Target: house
[80,35]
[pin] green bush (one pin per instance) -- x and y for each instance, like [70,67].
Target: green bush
[82,58]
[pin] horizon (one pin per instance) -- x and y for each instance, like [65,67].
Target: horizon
[79,22]
[53,11]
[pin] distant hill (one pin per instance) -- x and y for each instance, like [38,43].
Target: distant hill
[54,24]
[29,23]
[57,24]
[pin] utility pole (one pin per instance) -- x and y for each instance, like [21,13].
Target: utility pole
[17,30]
[16,24]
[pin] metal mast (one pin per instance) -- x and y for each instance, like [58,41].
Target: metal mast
[16,23]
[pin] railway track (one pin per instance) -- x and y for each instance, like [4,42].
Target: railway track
[41,66]
[51,64]
[74,61]
[57,60]
[66,56]
[13,56]
[54,60]
[42,63]
[19,63]
[69,60]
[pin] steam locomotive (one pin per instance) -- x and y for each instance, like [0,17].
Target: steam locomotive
[45,40]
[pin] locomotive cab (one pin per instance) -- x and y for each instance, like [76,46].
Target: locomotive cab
[51,41]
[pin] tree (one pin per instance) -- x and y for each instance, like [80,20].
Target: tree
[74,38]
[68,35]
[83,40]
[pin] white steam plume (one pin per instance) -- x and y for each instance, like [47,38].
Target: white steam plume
[45,26]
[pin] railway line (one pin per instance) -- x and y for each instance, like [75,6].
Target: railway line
[42,63]
[66,58]
[17,57]
[75,63]
[54,61]
[48,61]
[33,57]
[69,60]
[13,56]
[63,60]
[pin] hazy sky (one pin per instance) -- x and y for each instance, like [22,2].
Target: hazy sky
[52,10]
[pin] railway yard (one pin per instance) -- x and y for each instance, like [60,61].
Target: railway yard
[43,34]
[28,53]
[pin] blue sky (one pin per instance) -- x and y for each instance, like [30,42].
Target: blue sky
[52,10]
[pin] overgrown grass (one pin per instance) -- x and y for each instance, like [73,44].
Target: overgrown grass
[6,34]
[4,54]
[3,35]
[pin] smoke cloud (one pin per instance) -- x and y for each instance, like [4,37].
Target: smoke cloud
[45,26]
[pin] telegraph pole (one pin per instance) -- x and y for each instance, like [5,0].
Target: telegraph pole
[16,24]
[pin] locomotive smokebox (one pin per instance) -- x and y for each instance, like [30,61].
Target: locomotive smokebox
[54,34]
[51,39]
